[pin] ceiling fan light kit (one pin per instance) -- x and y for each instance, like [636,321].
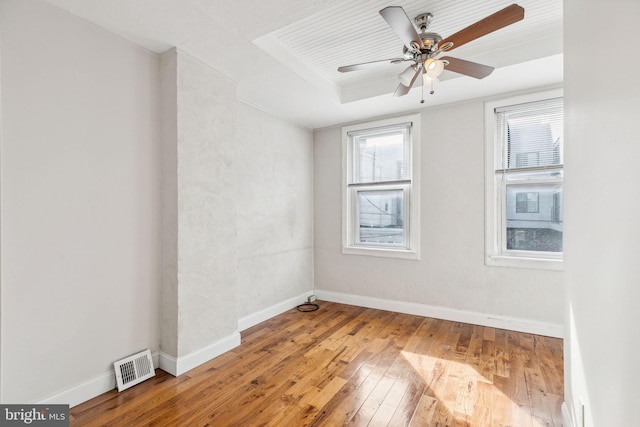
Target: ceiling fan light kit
[422,47]
[406,76]
[433,67]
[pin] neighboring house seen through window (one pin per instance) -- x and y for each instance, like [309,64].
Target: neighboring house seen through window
[527,202]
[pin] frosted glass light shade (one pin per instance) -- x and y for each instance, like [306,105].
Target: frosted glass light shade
[406,76]
[434,67]
[426,80]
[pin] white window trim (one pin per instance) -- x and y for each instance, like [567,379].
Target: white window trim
[412,194]
[493,254]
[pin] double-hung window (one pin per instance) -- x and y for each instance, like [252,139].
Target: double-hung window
[380,196]
[525,181]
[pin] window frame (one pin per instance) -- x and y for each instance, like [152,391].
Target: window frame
[495,201]
[409,186]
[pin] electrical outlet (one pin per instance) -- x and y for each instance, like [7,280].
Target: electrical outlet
[311,298]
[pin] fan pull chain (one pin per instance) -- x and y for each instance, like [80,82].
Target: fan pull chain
[431,92]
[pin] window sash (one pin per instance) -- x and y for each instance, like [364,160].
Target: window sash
[543,122]
[357,226]
[500,186]
[402,172]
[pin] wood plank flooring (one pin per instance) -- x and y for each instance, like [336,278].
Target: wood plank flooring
[347,365]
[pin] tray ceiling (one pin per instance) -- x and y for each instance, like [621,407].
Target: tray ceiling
[284,54]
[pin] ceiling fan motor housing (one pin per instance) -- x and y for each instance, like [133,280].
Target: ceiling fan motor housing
[430,40]
[429,44]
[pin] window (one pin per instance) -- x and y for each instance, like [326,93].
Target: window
[525,173]
[527,202]
[380,175]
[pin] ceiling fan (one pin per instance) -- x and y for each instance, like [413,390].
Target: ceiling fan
[422,48]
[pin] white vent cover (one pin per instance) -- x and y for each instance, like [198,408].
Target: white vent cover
[134,369]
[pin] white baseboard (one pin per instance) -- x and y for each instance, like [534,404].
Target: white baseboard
[175,366]
[183,364]
[267,313]
[89,389]
[180,365]
[445,313]
[567,419]
[107,381]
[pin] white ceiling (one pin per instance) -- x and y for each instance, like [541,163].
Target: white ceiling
[284,54]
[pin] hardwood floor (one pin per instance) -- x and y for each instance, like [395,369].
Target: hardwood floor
[351,365]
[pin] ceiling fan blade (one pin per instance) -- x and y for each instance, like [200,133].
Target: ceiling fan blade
[367,65]
[402,90]
[467,68]
[491,23]
[399,22]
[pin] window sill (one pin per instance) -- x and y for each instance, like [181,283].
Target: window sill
[525,262]
[381,252]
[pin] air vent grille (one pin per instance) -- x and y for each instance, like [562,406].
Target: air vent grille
[134,369]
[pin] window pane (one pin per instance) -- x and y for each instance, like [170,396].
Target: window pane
[534,217]
[382,157]
[381,217]
[532,144]
[530,135]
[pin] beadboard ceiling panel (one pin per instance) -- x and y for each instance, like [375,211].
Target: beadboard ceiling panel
[354,32]
[284,54]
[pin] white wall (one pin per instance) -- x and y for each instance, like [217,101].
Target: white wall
[237,213]
[81,200]
[602,272]
[275,199]
[451,274]
[207,206]
[169,139]
[103,200]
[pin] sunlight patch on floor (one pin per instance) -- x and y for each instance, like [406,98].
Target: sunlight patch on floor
[474,395]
